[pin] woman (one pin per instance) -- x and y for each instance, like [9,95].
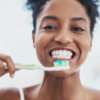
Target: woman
[58,25]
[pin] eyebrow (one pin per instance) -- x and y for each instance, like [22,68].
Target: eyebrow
[50,17]
[56,18]
[78,19]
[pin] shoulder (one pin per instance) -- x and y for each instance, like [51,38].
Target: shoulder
[92,94]
[9,94]
[30,93]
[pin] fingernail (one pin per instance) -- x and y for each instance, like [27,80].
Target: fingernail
[12,75]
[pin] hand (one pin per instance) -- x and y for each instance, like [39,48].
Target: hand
[10,64]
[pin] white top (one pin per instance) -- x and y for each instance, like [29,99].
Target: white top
[21,93]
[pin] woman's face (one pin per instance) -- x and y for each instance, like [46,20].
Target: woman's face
[63,33]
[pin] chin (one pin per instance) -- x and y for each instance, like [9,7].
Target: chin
[61,74]
[65,73]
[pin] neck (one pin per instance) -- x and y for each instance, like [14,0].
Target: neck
[58,88]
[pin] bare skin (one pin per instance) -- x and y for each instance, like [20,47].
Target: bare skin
[69,29]
[45,91]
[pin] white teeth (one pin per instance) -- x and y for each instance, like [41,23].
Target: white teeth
[57,52]
[53,56]
[65,57]
[69,57]
[54,52]
[70,53]
[67,52]
[62,54]
[58,56]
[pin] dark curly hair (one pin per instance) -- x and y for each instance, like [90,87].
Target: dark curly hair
[91,7]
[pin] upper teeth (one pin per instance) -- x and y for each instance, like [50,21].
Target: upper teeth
[62,54]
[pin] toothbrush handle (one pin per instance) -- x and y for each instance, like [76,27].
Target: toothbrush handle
[24,67]
[42,68]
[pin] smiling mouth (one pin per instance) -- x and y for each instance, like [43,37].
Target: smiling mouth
[62,54]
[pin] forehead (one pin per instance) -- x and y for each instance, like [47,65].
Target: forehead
[64,9]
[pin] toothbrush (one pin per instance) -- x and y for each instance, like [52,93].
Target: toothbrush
[58,65]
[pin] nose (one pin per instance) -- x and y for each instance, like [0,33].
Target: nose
[63,37]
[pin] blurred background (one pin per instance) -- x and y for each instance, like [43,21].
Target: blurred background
[16,41]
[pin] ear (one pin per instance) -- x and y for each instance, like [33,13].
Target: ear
[33,38]
[91,40]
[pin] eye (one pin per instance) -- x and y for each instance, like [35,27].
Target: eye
[78,29]
[49,27]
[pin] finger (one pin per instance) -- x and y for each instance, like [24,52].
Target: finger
[7,70]
[10,64]
[2,68]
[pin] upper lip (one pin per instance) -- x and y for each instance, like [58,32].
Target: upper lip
[62,48]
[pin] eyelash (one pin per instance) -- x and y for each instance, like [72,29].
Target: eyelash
[49,27]
[52,27]
[79,29]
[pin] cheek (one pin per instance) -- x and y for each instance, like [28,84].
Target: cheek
[41,41]
[84,43]
[40,45]
[85,48]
